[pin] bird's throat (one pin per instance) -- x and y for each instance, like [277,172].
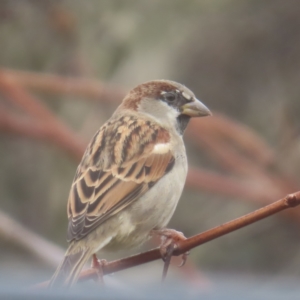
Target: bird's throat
[182,122]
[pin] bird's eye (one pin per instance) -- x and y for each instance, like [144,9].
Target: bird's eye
[170,97]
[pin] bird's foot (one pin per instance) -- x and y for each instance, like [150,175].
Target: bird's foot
[98,265]
[170,238]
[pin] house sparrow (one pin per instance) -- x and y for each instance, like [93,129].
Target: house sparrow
[131,175]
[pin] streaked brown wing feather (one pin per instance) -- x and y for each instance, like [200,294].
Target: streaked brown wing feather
[110,177]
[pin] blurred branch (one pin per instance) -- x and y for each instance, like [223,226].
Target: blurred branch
[227,140]
[247,189]
[209,181]
[225,153]
[35,244]
[55,84]
[242,136]
[290,201]
[37,130]
[56,129]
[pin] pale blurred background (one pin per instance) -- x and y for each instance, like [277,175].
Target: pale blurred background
[240,57]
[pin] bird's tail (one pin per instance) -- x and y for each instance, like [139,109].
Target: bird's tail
[69,269]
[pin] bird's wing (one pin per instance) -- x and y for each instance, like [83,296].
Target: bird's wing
[124,160]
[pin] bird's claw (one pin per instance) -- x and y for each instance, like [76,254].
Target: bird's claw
[184,259]
[98,265]
[170,238]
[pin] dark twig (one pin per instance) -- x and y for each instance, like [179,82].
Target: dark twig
[183,246]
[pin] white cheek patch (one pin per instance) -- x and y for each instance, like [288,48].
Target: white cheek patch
[161,148]
[186,96]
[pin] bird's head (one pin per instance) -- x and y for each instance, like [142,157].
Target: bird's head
[168,102]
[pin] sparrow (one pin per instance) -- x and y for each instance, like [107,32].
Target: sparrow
[131,176]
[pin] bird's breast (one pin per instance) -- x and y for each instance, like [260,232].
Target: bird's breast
[154,209]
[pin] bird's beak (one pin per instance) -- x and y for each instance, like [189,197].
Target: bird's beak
[195,109]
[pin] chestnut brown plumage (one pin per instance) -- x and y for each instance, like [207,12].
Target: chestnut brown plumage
[131,175]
